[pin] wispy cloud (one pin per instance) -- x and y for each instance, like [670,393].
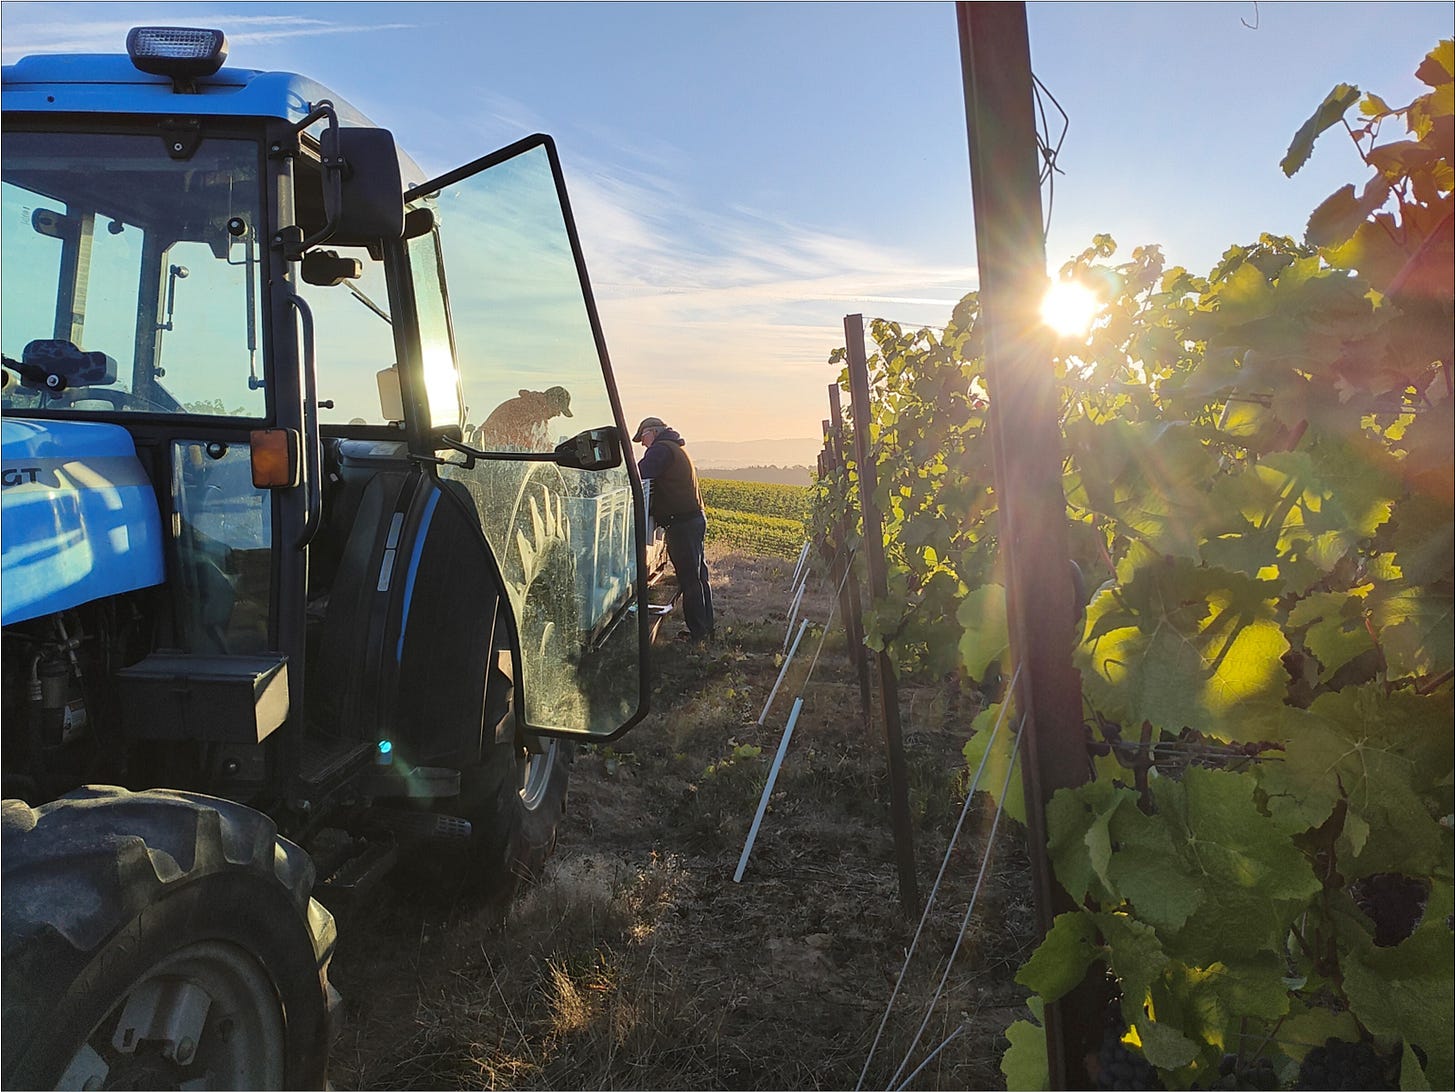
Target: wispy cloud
[722,321]
[22,39]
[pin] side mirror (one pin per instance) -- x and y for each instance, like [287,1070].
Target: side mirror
[325,268]
[369,204]
[594,449]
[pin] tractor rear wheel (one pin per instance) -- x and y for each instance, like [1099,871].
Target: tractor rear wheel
[514,800]
[160,940]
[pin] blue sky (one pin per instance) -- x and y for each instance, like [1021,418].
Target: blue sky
[744,175]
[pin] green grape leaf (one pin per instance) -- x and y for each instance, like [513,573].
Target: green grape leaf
[1254,879]
[1250,987]
[1163,886]
[1386,757]
[1076,819]
[1150,478]
[1311,1025]
[1061,960]
[1329,113]
[1337,631]
[1404,993]
[984,637]
[1025,1062]
[1180,646]
[1412,1076]
[1338,494]
[1416,631]
[1419,532]
[1164,1046]
[1136,957]
[998,762]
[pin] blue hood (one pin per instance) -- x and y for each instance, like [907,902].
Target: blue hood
[78,517]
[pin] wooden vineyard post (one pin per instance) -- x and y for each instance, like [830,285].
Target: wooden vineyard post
[1027,453]
[843,570]
[874,555]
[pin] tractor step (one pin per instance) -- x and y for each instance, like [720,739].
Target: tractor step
[417,826]
[328,764]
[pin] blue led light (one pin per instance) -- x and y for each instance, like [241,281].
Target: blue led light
[385,746]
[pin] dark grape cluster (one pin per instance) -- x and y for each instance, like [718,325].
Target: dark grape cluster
[1119,1066]
[1341,1064]
[1239,1074]
[1393,902]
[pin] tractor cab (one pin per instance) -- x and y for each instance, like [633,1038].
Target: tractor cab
[335,445]
[321,548]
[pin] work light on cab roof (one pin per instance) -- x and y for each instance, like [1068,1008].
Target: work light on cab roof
[183,53]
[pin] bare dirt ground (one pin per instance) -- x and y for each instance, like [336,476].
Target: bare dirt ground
[637,962]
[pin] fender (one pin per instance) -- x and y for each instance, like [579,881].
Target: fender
[78,517]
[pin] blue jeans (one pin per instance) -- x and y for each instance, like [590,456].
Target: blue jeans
[685,550]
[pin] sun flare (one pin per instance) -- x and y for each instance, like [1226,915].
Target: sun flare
[1069,308]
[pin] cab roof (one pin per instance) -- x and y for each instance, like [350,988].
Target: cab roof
[104,83]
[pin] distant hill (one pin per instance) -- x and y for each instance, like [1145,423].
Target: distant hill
[715,454]
[775,475]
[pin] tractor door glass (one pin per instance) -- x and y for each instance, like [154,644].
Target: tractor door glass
[115,247]
[354,339]
[223,530]
[520,333]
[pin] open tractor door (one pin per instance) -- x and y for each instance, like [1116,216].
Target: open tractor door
[322,547]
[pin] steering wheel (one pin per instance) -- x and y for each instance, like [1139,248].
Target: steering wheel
[125,400]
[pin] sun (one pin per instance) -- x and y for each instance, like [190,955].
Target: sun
[1069,308]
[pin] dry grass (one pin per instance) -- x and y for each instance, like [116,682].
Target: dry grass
[638,963]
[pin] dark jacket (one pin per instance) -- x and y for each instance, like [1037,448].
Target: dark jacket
[674,479]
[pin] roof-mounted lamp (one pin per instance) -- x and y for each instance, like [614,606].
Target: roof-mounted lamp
[183,53]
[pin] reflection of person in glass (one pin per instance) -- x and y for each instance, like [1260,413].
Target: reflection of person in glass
[677,507]
[520,422]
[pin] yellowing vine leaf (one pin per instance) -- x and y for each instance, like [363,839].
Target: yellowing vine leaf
[1182,646]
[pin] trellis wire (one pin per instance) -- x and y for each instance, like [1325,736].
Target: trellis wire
[803,624]
[930,1058]
[970,908]
[935,888]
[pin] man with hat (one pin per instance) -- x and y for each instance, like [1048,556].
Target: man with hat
[677,507]
[520,423]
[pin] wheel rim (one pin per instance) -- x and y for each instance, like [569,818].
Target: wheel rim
[536,774]
[207,1016]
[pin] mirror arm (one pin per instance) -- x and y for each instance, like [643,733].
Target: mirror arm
[472,454]
[293,248]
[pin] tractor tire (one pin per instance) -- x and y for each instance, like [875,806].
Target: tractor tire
[514,800]
[160,939]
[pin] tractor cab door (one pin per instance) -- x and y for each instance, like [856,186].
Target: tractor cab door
[546,457]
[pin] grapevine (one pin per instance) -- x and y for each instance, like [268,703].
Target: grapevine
[1259,481]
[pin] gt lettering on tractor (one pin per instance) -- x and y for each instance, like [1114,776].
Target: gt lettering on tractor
[279,614]
[19,475]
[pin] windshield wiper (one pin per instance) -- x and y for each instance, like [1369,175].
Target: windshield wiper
[367,302]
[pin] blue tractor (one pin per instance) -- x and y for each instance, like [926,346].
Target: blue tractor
[321,550]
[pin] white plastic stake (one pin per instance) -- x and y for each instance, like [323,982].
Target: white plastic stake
[773,775]
[794,612]
[803,556]
[783,670]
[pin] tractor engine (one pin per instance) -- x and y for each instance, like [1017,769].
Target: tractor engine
[81,540]
[58,706]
